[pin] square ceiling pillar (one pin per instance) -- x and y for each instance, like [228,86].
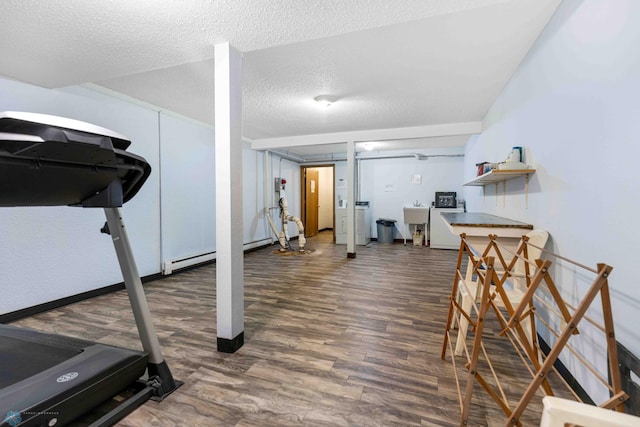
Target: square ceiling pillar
[351,199]
[229,229]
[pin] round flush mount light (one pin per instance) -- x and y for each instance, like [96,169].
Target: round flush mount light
[325,100]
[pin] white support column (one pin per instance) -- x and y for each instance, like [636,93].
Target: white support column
[229,235]
[351,199]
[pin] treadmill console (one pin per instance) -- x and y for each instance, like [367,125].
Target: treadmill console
[51,161]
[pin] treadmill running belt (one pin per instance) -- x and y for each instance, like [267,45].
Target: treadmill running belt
[21,359]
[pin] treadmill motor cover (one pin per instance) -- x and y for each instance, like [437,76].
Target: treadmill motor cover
[53,161]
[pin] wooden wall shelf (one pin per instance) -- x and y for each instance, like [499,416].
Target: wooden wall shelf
[497,175]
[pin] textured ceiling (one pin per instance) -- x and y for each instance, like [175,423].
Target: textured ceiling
[391,64]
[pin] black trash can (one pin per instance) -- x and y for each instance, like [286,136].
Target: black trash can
[385,230]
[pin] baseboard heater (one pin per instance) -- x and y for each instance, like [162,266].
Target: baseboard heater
[169,267]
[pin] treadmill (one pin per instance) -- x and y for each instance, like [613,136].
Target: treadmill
[51,380]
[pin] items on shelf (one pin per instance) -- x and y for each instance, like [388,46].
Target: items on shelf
[514,161]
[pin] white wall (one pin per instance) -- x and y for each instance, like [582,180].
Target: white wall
[253,202]
[325,214]
[187,154]
[340,172]
[56,252]
[574,105]
[387,185]
[325,197]
[51,253]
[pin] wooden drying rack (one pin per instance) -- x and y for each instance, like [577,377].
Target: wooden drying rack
[491,274]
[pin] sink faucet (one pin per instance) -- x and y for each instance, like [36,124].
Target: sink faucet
[417,204]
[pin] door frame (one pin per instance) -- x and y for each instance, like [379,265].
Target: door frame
[303,193]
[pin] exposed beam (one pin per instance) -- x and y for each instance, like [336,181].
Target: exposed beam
[448,129]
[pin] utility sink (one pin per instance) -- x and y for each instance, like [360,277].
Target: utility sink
[416,214]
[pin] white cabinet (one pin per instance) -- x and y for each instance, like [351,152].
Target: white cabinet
[440,237]
[363,225]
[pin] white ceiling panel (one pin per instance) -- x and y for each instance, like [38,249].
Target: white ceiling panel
[389,64]
[57,43]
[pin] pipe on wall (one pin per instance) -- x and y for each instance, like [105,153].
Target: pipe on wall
[282,235]
[416,156]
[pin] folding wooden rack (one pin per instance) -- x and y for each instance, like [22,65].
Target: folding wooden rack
[486,281]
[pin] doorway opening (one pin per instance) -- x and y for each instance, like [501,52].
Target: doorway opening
[317,199]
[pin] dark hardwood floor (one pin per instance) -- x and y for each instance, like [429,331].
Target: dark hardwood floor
[329,341]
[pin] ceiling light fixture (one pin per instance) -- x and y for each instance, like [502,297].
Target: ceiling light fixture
[325,100]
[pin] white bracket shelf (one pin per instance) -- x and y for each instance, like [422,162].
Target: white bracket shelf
[495,176]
